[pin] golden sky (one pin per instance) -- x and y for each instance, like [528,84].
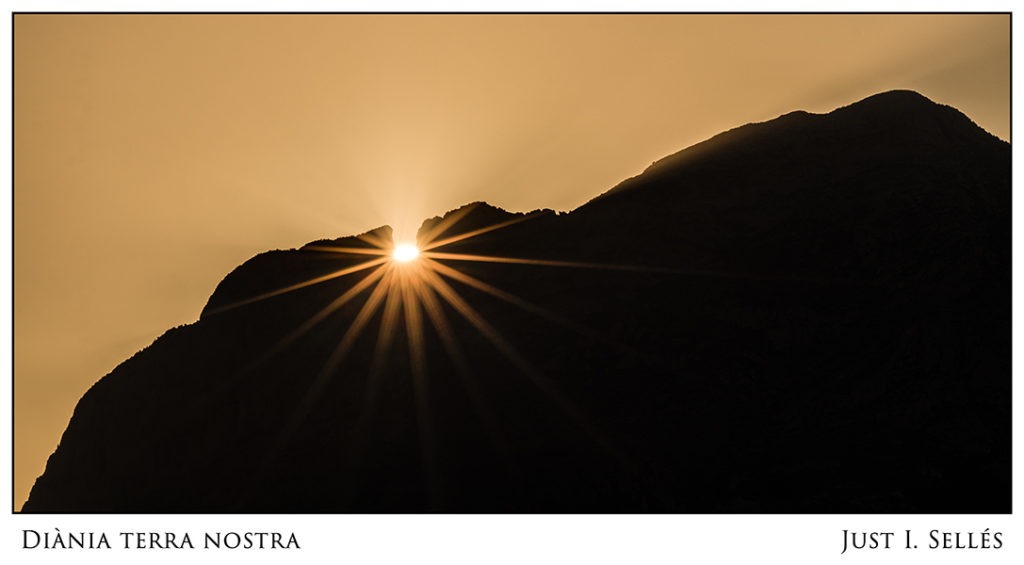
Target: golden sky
[153,154]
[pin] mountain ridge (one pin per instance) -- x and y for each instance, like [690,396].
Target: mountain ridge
[725,317]
[889,104]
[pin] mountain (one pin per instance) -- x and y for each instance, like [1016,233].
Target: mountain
[810,314]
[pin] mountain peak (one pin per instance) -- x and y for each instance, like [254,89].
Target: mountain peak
[901,122]
[903,108]
[899,97]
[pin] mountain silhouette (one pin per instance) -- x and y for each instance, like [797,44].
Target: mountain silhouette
[810,314]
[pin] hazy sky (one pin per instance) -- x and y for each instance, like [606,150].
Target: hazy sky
[153,154]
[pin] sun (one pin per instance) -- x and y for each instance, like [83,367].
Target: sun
[405,253]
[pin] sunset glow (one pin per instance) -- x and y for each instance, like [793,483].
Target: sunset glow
[197,142]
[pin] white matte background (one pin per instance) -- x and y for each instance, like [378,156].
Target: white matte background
[501,538]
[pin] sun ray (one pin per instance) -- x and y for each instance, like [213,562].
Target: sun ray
[439,256]
[375,240]
[442,226]
[302,329]
[476,232]
[527,306]
[413,288]
[359,432]
[339,353]
[477,399]
[385,336]
[347,250]
[527,368]
[315,319]
[421,391]
[543,262]
[304,284]
[323,376]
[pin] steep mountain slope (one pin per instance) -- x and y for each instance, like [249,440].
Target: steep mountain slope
[810,314]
